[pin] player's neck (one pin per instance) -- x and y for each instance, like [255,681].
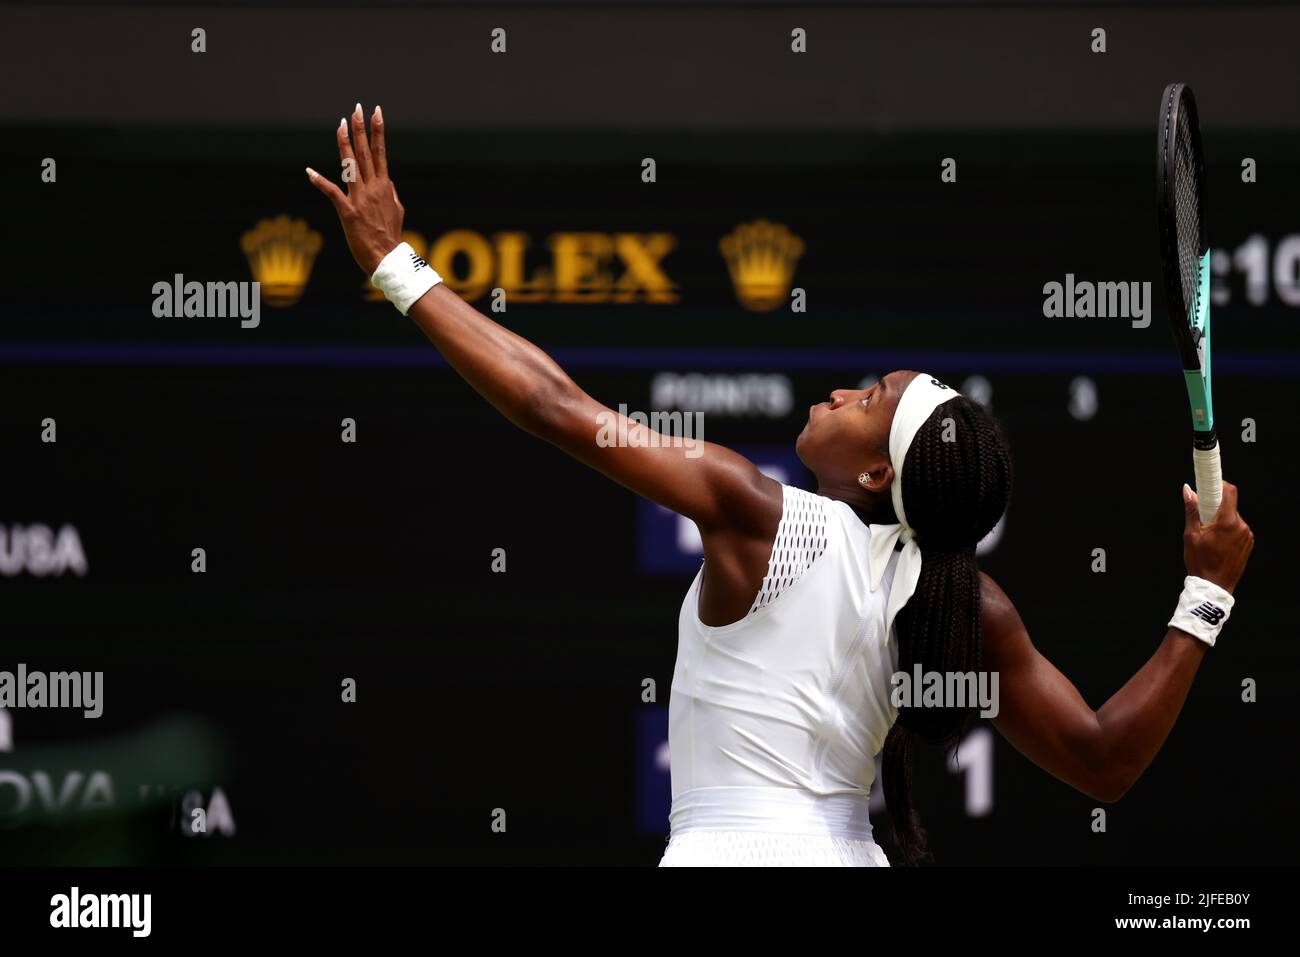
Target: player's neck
[873,508]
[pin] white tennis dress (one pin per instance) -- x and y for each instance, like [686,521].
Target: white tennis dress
[775,720]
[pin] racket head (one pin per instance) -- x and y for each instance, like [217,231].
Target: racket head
[1184,247]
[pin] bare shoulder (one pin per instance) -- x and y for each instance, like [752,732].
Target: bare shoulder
[995,606]
[1000,624]
[749,502]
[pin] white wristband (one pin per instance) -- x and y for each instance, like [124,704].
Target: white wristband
[404,277]
[1202,609]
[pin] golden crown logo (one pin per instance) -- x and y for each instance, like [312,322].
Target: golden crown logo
[280,253]
[761,258]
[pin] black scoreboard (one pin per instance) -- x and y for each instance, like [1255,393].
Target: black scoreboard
[745,278]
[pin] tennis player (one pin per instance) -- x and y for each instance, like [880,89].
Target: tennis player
[808,604]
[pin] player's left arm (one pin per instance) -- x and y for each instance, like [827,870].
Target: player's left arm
[1103,752]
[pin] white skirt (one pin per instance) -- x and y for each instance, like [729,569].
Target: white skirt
[753,849]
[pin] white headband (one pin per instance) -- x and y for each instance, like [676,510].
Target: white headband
[922,396]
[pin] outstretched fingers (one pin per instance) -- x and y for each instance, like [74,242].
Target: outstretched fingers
[377,145]
[346,159]
[365,168]
[331,191]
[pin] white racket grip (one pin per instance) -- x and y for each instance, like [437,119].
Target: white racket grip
[1209,482]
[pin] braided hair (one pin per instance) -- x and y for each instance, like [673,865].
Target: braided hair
[958,471]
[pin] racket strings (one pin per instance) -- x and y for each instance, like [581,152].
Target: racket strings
[1187,217]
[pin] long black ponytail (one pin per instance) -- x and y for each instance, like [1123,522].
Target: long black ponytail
[957,482]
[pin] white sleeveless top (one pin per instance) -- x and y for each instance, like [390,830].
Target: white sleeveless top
[775,720]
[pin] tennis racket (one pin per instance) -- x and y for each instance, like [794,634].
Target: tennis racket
[1185,251]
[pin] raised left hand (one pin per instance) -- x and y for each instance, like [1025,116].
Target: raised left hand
[370,211]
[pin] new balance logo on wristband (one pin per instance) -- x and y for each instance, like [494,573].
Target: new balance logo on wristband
[401,283]
[1208,612]
[1202,609]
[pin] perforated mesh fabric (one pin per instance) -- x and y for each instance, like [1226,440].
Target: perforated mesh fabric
[800,540]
